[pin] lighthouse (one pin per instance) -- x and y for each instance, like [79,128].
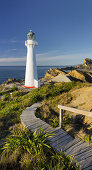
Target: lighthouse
[31,78]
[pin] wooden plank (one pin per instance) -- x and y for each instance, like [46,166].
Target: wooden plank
[72,143]
[80,150]
[35,126]
[28,117]
[47,129]
[27,112]
[39,124]
[40,127]
[74,146]
[84,155]
[62,139]
[28,122]
[34,121]
[86,163]
[77,149]
[58,137]
[54,130]
[44,126]
[88,168]
[83,150]
[31,119]
[62,144]
[60,132]
[61,118]
[86,113]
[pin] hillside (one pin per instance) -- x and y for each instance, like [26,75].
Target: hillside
[78,97]
[24,149]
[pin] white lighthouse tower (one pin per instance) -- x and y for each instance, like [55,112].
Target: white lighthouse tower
[31,78]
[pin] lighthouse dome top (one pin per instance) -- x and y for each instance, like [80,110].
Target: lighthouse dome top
[30,35]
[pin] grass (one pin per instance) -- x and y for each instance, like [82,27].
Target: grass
[12,106]
[49,112]
[26,150]
[21,150]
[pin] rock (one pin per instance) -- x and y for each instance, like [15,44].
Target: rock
[80,75]
[77,74]
[61,78]
[87,63]
[68,68]
[9,81]
[53,72]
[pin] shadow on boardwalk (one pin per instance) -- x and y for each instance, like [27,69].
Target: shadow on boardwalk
[80,150]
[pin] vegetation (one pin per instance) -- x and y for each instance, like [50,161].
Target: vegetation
[72,123]
[26,150]
[12,106]
[23,149]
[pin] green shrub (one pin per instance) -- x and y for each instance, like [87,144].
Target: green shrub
[11,109]
[17,93]
[14,88]
[54,122]
[26,150]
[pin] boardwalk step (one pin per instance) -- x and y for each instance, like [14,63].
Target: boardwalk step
[80,150]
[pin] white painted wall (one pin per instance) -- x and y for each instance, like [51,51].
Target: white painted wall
[31,78]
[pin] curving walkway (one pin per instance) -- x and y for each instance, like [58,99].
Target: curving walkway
[80,150]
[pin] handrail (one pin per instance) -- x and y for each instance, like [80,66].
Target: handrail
[82,112]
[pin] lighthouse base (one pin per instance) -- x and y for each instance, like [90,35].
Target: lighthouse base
[36,84]
[30,87]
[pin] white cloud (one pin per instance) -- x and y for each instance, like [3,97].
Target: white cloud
[16,41]
[12,49]
[51,58]
[5,60]
[55,57]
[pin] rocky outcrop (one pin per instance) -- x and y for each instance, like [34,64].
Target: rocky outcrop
[14,83]
[77,74]
[87,64]
[61,78]
[9,81]
[57,75]
[53,72]
[83,76]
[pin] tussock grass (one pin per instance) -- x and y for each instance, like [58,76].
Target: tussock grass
[49,111]
[12,107]
[26,150]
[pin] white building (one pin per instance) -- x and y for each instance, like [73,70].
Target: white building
[31,78]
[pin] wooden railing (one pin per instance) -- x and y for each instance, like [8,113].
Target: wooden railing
[74,110]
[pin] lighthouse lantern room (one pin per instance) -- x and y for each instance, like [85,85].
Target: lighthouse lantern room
[31,78]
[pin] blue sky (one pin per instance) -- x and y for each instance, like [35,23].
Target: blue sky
[63,31]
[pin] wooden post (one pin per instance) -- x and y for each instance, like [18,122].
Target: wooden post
[61,118]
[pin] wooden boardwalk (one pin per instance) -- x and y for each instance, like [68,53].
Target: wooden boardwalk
[80,150]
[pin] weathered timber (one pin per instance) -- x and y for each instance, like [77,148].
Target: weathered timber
[81,151]
[88,168]
[83,112]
